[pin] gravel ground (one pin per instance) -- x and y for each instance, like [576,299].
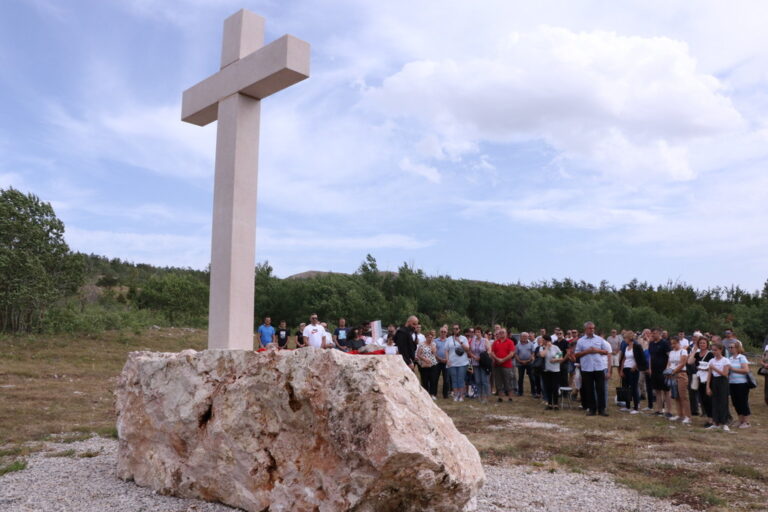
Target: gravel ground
[88,484]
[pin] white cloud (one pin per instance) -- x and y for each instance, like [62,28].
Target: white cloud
[629,107]
[425,171]
[151,137]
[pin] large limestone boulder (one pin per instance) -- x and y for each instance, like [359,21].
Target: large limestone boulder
[308,429]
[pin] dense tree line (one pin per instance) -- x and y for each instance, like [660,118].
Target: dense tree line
[46,287]
[370,294]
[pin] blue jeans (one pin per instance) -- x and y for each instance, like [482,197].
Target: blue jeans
[457,374]
[482,382]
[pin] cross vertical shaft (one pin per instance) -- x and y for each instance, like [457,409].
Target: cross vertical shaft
[233,236]
[233,96]
[233,240]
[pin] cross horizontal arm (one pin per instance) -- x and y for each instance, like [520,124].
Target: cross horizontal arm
[276,66]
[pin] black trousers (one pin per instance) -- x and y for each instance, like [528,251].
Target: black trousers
[442,370]
[551,386]
[705,399]
[429,377]
[720,391]
[740,398]
[593,383]
[521,371]
[649,395]
[765,391]
[693,396]
[629,380]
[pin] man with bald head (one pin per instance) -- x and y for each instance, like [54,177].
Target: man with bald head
[405,339]
[592,352]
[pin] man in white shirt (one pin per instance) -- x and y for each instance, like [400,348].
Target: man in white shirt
[314,334]
[684,343]
[420,338]
[592,351]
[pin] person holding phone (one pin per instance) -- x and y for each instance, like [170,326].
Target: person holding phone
[456,348]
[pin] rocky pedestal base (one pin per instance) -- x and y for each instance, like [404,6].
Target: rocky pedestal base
[308,429]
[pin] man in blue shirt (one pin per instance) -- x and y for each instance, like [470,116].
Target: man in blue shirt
[591,352]
[341,335]
[266,332]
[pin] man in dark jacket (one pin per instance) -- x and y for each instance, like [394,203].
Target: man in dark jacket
[405,339]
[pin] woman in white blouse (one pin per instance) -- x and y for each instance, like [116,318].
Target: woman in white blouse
[678,357]
[717,386]
[737,383]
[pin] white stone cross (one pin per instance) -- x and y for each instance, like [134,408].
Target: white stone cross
[233,96]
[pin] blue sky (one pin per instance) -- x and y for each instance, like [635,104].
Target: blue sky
[496,140]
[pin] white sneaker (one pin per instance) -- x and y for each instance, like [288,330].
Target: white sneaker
[634,411]
[745,425]
[711,427]
[434,398]
[726,428]
[686,421]
[674,418]
[624,409]
[461,399]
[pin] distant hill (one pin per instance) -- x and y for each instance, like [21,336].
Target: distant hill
[310,274]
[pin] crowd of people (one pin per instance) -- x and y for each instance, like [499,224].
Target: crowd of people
[677,378]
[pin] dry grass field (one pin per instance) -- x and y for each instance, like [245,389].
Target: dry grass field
[62,387]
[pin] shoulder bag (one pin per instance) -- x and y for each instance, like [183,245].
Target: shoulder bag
[751,381]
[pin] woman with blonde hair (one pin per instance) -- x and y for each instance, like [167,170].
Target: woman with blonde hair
[631,364]
[737,382]
[678,357]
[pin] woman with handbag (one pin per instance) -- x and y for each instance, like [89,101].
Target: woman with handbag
[479,347]
[456,348]
[632,363]
[700,358]
[738,383]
